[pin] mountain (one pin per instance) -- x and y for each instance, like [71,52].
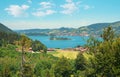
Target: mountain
[96,29]
[57,31]
[93,29]
[3,28]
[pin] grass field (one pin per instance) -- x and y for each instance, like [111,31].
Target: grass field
[68,54]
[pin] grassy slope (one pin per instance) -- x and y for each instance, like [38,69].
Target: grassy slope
[68,54]
[65,53]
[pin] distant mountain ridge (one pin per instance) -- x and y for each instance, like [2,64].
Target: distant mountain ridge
[94,29]
[98,27]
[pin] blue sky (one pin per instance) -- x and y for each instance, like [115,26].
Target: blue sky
[27,14]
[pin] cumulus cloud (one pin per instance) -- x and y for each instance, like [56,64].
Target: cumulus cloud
[69,7]
[44,10]
[46,4]
[44,13]
[17,10]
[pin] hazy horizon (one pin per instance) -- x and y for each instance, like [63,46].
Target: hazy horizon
[63,26]
[42,14]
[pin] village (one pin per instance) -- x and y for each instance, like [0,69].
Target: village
[81,49]
[76,49]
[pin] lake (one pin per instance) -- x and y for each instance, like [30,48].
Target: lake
[75,41]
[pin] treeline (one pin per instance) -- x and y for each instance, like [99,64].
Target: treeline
[27,43]
[106,61]
[8,38]
[103,61]
[16,39]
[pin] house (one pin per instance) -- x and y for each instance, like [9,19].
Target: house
[50,49]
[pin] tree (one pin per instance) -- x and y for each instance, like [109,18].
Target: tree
[62,68]
[80,62]
[25,43]
[106,60]
[8,38]
[108,34]
[116,47]
[37,46]
[41,67]
[92,43]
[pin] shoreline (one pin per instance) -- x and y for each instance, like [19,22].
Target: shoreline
[69,49]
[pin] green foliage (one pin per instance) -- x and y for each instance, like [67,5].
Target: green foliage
[37,46]
[8,38]
[9,67]
[36,63]
[8,51]
[80,62]
[47,73]
[92,43]
[27,71]
[80,66]
[40,66]
[106,61]
[62,68]
[108,34]
[25,42]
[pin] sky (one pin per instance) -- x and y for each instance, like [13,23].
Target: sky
[41,14]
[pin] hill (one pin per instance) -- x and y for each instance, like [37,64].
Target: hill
[93,29]
[3,28]
[97,28]
[7,36]
[46,32]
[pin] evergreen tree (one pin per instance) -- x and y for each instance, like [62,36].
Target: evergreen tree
[108,34]
[62,68]
[38,46]
[80,62]
[106,58]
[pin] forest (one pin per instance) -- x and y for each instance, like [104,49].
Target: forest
[104,60]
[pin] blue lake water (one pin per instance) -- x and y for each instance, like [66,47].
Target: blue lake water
[75,41]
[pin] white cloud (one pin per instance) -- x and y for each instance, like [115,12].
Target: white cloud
[44,10]
[43,13]
[17,10]
[46,5]
[70,7]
